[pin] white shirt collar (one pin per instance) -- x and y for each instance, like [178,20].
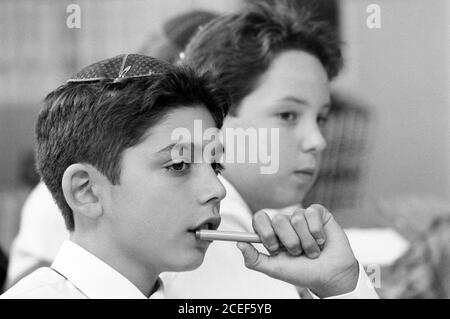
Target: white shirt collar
[93,277]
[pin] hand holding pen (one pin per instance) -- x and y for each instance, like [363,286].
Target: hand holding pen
[317,253]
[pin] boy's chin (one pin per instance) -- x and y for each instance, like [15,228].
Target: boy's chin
[295,196]
[188,262]
[287,200]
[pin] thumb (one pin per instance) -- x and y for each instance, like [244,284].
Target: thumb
[255,260]
[334,233]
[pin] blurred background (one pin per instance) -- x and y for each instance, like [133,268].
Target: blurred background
[390,138]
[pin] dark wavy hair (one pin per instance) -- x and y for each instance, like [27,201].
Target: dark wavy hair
[239,48]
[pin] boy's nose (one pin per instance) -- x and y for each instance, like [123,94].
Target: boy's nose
[211,189]
[313,141]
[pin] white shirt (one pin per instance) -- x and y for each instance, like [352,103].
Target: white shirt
[223,274]
[377,246]
[77,274]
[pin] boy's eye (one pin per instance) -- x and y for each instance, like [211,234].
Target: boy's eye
[288,116]
[179,167]
[322,120]
[218,168]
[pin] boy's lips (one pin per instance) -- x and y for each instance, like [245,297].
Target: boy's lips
[306,171]
[211,223]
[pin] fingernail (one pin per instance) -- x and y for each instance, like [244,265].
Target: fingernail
[320,241]
[314,255]
[273,248]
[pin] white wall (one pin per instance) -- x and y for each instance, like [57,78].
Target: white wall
[38,50]
[448,93]
[402,71]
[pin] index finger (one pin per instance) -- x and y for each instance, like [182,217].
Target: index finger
[262,224]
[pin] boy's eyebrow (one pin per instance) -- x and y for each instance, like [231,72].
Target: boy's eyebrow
[294,99]
[297,100]
[171,146]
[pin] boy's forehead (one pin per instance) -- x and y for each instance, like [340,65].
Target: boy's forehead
[184,123]
[189,117]
[294,70]
[293,76]
[120,68]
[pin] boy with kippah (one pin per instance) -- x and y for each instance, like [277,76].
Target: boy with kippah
[35,246]
[132,206]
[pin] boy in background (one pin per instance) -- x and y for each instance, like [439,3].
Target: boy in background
[276,60]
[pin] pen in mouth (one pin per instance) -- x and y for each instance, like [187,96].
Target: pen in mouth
[211,235]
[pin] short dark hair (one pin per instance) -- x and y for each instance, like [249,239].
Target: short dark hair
[239,48]
[94,123]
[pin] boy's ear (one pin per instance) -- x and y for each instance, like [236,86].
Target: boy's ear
[80,188]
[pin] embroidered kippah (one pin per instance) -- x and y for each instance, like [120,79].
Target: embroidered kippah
[120,68]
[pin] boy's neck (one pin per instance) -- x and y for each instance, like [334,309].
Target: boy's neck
[139,275]
[246,196]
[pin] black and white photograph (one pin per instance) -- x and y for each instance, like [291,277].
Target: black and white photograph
[224,150]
